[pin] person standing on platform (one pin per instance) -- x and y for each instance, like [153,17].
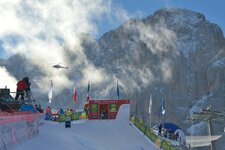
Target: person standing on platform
[21,87]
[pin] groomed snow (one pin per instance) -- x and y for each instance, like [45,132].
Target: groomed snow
[90,135]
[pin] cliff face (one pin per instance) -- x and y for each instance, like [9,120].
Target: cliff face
[175,54]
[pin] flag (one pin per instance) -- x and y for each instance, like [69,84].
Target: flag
[50,93]
[150,105]
[163,108]
[118,91]
[88,91]
[74,93]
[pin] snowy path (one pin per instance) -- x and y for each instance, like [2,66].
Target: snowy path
[90,135]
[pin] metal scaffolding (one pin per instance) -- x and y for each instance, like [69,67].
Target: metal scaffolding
[210,116]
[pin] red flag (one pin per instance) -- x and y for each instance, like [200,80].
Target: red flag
[74,93]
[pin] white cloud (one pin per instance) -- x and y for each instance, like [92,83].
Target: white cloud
[94,75]
[158,39]
[167,70]
[7,80]
[41,29]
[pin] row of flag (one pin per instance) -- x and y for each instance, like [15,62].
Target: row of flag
[50,93]
[163,108]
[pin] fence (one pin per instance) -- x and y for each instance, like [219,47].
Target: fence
[157,140]
[18,130]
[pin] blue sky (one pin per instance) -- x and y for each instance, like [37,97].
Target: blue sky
[212,9]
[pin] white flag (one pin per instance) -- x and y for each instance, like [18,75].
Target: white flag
[50,93]
[163,108]
[150,105]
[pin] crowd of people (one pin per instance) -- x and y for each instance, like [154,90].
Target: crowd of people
[50,116]
[38,108]
[167,133]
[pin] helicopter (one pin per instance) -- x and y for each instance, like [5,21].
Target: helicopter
[59,67]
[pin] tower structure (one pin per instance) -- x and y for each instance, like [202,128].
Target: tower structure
[210,116]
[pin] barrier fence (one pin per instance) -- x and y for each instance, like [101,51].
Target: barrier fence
[17,131]
[157,140]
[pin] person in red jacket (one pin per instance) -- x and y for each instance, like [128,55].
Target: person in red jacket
[48,110]
[48,113]
[21,87]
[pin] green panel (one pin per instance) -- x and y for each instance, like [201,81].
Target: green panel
[132,119]
[62,118]
[94,108]
[76,116]
[140,125]
[113,108]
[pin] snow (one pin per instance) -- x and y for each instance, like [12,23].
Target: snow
[184,16]
[194,129]
[90,135]
[219,63]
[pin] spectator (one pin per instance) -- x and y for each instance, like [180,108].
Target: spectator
[48,113]
[160,130]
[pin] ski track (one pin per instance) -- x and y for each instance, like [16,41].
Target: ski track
[90,135]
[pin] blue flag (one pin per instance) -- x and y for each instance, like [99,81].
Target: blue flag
[118,91]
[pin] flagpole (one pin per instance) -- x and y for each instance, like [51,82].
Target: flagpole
[88,96]
[117,91]
[150,109]
[74,93]
[150,120]
[50,93]
[163,112]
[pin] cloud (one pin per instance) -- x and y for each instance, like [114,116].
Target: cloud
[158,39]
[94,75]
[7,80]
[166,70]
[42,30]
[29,26]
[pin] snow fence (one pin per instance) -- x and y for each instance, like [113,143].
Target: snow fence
[17,129]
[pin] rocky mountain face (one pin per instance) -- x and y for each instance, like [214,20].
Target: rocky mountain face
[176,55]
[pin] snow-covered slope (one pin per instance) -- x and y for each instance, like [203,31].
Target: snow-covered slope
[90,135]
